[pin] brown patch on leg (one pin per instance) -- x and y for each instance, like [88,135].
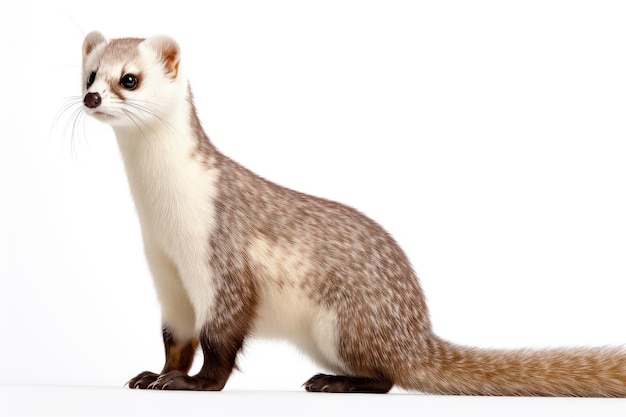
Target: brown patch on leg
[219,360]
[178,357]
[221,338]
[347,384]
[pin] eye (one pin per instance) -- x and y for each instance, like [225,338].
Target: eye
[91,79]
[129,81]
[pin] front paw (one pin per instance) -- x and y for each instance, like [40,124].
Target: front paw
[143,380]
[173,380]
[178,380]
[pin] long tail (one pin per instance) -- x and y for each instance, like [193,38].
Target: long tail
[589,372]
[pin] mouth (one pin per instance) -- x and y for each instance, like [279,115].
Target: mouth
[99,114]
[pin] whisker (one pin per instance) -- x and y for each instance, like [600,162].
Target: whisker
[73,106]
[137,112]
[136,121]
[139,105]
[78,116]
[69,103]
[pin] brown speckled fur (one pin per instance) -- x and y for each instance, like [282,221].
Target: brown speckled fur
[365,277]
[355,270]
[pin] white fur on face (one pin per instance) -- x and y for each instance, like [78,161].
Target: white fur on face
[156,95]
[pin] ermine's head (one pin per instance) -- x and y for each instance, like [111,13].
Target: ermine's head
[131,82]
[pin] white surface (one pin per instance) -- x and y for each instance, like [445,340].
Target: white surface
[89,401]
[486,136]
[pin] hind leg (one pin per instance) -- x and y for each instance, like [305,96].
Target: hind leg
[338,384]
[332,355]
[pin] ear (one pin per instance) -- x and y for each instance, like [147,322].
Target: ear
[168,52]
[92,40]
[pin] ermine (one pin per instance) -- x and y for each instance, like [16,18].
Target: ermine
[233,255]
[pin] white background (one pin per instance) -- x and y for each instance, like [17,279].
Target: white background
[488,137]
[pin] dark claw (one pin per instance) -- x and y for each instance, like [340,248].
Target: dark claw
[179,380]
[143,380]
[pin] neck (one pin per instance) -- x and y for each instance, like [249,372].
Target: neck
[172,176]
[170,128]
[161,156]
[177,133]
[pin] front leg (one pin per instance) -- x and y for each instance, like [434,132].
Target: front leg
[221,338]
[179,337]
[178,357]
[219,361]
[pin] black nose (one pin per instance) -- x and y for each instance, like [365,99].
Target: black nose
[92,100]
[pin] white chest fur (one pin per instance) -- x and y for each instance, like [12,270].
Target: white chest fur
[174,196]
[173,193]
